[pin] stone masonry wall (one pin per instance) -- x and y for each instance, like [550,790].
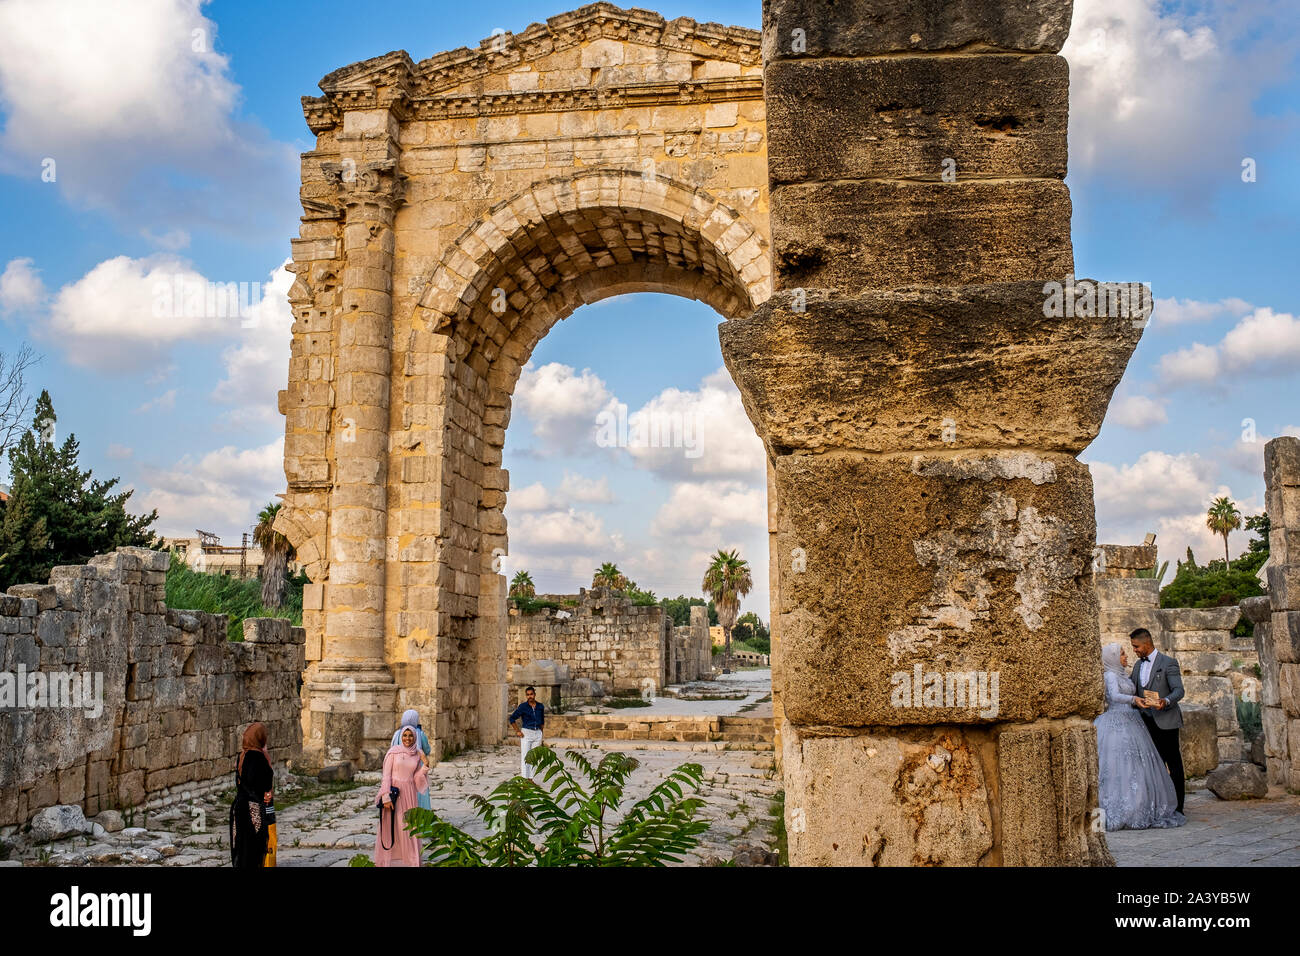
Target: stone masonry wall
[1278,638]
[604,638]
[176,694]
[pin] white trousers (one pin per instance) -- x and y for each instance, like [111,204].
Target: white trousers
[531,739]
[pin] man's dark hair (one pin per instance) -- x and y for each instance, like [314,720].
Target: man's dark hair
[1141,633]
[530,687]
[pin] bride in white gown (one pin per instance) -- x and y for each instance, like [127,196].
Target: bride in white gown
[1136,792]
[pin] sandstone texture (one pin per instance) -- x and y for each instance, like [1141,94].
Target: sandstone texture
[1004,116]
[925,369]
[866,27]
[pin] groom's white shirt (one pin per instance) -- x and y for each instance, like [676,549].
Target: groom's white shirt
[1144,672]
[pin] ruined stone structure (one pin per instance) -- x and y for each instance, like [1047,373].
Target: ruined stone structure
[1125,601]
[1277,617]
[601,636]
[175,694]
[922,412]
[453,211]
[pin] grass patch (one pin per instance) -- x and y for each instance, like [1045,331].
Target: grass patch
[617,702]
[776,810]
[311,791]
[238,599]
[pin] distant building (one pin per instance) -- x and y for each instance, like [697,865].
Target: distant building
[206,553]
[717,635]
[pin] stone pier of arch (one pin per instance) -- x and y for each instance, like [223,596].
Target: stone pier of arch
[922,413]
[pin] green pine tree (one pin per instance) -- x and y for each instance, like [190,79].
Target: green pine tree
[56,513]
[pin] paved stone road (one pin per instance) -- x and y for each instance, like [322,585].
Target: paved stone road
[327,830]
[1218,833]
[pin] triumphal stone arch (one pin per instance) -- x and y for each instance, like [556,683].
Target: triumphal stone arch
[454,210]
[872,196]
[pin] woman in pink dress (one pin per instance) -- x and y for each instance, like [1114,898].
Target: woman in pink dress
[403,769]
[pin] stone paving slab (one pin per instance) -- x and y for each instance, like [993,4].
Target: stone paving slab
[1218,833]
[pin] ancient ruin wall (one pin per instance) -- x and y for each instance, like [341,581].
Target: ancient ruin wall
[1277,623]
[176,694]
[604,637]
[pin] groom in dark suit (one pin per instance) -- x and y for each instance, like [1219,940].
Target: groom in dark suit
[1159,672]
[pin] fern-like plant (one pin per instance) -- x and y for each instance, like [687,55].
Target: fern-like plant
[571,818]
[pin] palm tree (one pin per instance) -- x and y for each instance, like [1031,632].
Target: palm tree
[521,585]
[727,580]
[1222,518]
[276,553]
[609,576]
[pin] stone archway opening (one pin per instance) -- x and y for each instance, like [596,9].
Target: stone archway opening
[498,290]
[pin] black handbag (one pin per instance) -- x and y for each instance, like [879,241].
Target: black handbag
[393,794]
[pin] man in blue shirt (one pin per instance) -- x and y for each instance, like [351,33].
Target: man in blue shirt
[532,716]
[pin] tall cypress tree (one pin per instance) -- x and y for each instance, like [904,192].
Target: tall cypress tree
[56,513]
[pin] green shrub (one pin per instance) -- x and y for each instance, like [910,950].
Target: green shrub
[1250,718]
[237,598]
[561,822]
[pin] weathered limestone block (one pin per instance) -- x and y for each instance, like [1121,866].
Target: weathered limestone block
[1198,739]
[1238,781]
[1047,775]
[907,798]
[1129,593]
[1123,560]
[864,27]
[1216,694]
[971,563]
[1284,629]
[917,117]
[859,235]
[1221,619]
[840,375]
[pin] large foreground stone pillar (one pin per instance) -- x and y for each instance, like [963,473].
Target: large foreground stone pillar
[922,400]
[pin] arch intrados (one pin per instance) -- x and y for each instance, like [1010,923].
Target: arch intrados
[526,230]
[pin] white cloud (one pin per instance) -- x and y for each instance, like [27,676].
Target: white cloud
[1137,411]
[106,319]
[701,433]
[1167,494]
[1146,76]
[222,491]
[257,365]
[1174,311]
[123,97]
[20,286]
[575,487]
[163,403]
[1263,343]
[119,452]
[532,497]
[706,511]
[562,406]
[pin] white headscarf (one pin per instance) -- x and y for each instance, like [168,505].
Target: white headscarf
[1110,655]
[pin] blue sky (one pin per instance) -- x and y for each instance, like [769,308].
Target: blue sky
[177,150]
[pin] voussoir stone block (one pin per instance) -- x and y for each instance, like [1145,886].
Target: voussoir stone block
[865,27]
[925,369]
[974,564]
[907,797]
[917,117]
[870,234]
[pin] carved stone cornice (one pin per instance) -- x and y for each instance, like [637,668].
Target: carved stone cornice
[409,89]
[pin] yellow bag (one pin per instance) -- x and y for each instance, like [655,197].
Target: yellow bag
[270,845]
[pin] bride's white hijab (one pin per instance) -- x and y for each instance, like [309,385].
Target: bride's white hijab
[1110,659]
